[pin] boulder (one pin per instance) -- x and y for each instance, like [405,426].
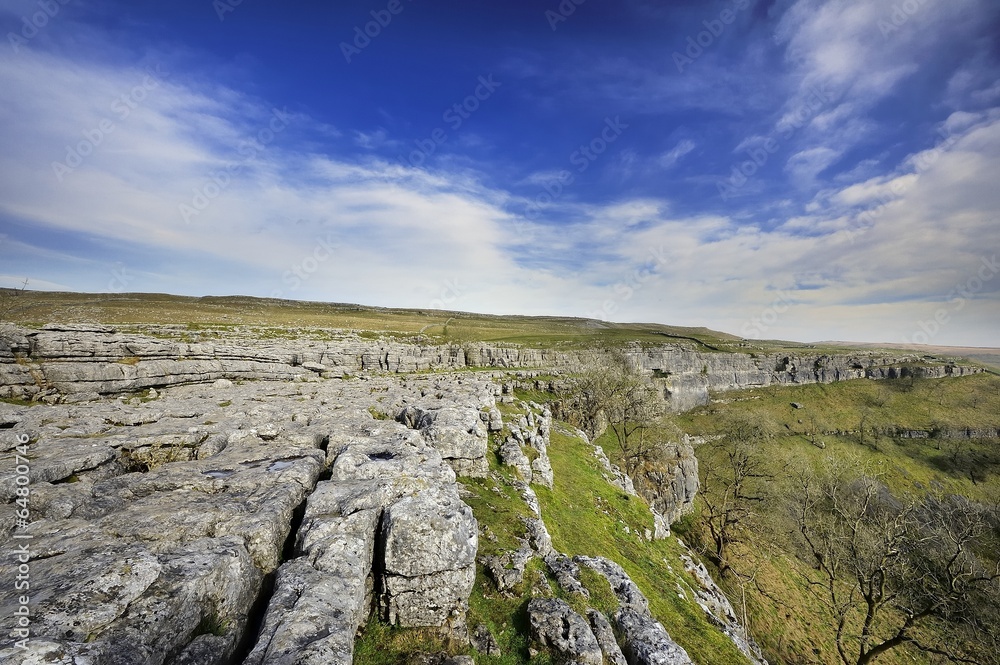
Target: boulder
[556,626]
[511,455]
[430,541]
[647,641]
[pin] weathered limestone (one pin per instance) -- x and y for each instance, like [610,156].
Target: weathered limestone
[184,504]
[671,486]
[430,541]
[646,640]
[457,433]
[323,597]
[606,638]
[555,625]
[87,360]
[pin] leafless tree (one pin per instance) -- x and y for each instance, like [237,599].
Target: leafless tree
[734,486]
[612,388]
[900,573]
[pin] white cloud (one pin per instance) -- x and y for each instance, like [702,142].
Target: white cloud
[422,238]
[804,167]
[671,157]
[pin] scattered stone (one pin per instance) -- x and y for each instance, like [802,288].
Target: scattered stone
[482,640]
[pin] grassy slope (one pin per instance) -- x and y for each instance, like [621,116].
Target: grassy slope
[586,515]
[789,622]
[119,309]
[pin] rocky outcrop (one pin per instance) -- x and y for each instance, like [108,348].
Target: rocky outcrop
[457,432]
[529,432]
[669,484]
[717,607]
[556,626]
[646,641]
[430,541]
[83,360]
[606,638]
[156,528]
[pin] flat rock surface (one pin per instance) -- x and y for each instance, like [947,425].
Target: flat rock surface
[153,523]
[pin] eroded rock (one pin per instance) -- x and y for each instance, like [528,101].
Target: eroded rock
[556,626]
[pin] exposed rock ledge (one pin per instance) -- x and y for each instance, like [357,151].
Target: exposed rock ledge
[158,530]
[81,361]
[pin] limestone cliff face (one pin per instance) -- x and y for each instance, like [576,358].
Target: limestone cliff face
[688,376]
[99,360]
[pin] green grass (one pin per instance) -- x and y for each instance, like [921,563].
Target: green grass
[833,414]
[203,317]
[586,515]
[788,621]
[381,644]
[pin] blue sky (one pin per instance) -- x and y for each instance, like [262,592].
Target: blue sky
[776,169]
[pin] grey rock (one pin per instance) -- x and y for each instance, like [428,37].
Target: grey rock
[482,640]
[511,455]
[495,419]
[322,598]
[605,635]
[457,433]
[430,541]
[567,573]
[507,570]
[647,641]
[629,595]
[670,486]
[720,611]
[555,625]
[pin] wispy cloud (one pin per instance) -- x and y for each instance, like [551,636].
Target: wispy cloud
[671,157]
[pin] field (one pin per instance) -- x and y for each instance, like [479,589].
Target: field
[825,434]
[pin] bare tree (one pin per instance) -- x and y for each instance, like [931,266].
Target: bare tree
[734,486]
[613,388]
[890,571]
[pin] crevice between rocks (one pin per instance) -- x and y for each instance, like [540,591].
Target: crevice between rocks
[255,620]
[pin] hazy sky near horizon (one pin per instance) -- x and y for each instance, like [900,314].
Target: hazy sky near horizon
[793,169]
